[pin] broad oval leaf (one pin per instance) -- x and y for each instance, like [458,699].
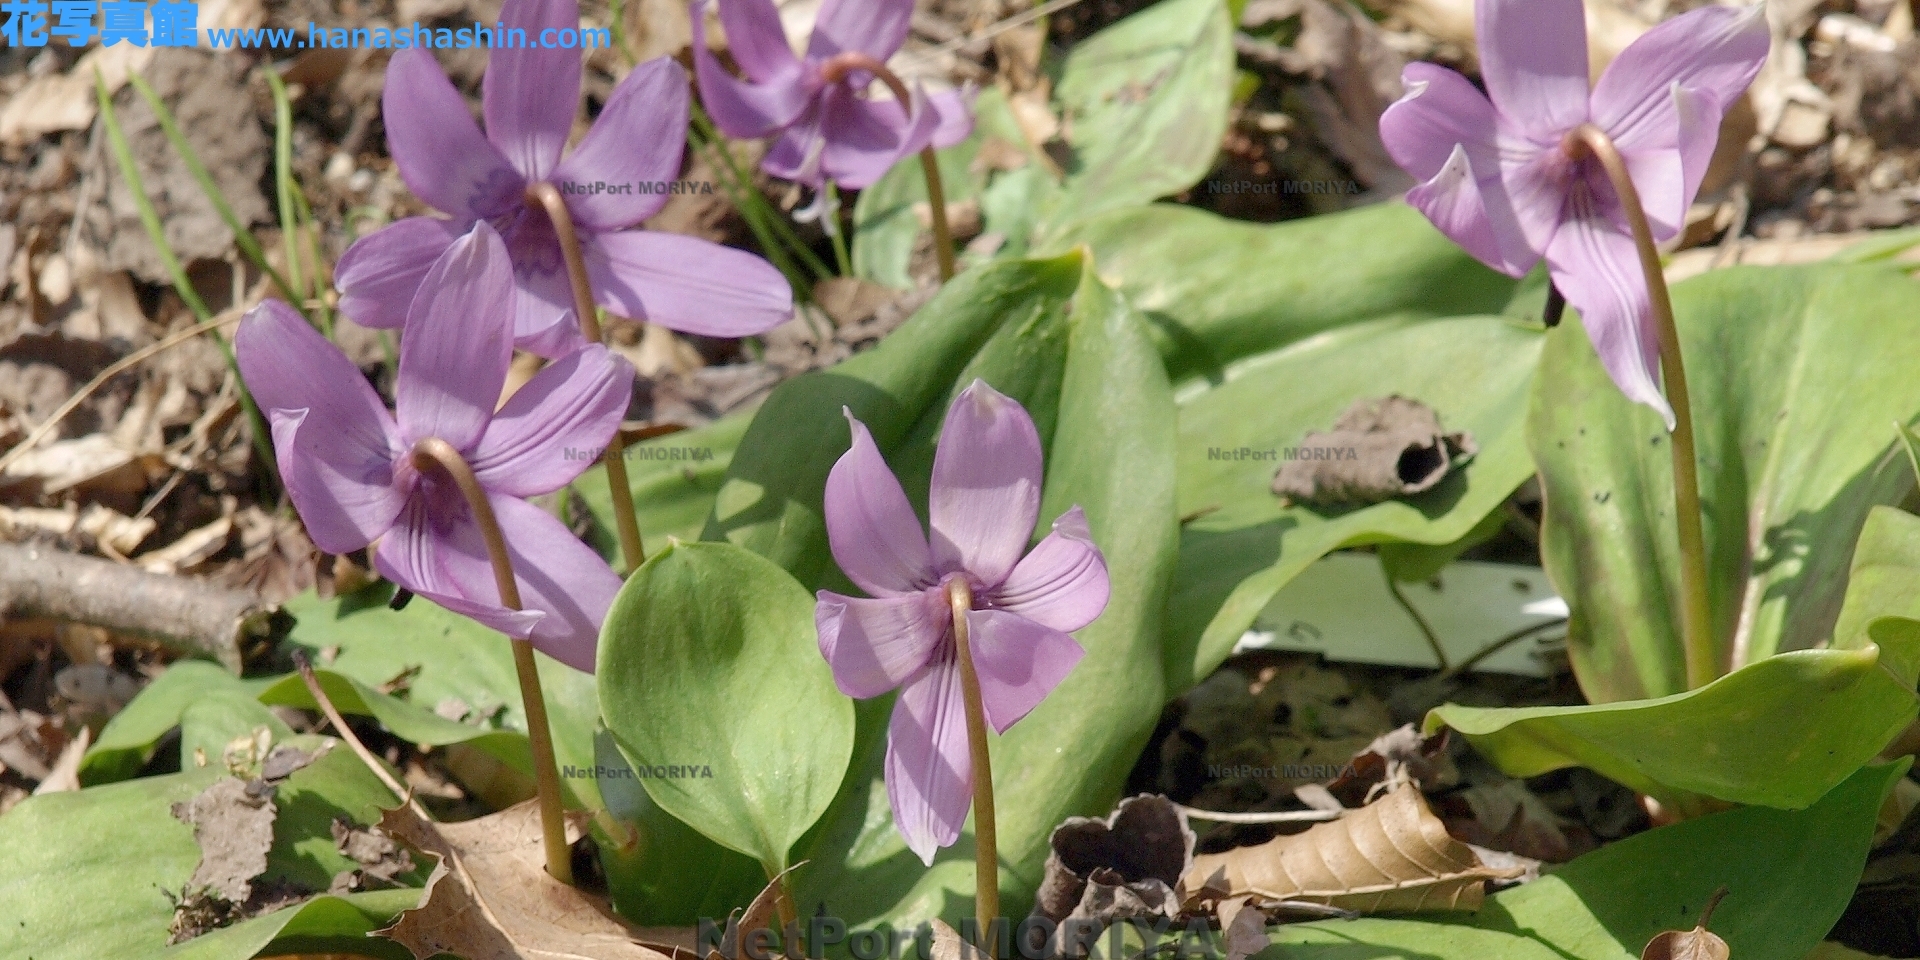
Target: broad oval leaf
[712,682]
[1798,376]
[1217,291]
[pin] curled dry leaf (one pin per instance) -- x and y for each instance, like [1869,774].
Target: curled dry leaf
[1394,856]
[1379,449]
[1696,944]
[1101,871]
[490,898]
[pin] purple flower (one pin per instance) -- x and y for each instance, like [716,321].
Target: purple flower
[983,500]
[828,130]
[616,177]
[347,465]
[1504,181]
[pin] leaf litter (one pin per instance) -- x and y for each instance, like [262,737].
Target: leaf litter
[1392,856]
[232,821]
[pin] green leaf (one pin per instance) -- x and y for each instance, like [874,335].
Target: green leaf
[443,656]
[1796,374]
[1144,106]
[1241,544]
[1110,449]
[209,724]
[1219,290]
[709,664]
[129,740]
[1789,876]
[86,874]
[1780,732]
[323,925]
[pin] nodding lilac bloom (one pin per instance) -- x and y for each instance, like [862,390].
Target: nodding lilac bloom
[620,174]
[983,501]
[348,468]
[1504,179]
[828,130]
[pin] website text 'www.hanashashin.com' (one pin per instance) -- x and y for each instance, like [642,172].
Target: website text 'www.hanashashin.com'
[36,23]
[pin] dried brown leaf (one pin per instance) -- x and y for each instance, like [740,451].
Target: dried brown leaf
[1394,856]
[1379,449]
[490,897]
[1696,944]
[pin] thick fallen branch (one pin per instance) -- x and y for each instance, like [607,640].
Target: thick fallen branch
[186,616]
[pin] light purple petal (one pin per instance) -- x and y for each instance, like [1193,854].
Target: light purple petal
[865,138]
[1593,262]
[1018,661]
[687,284]
[1660,175]
[795,154]
[333,438]
[1716,51]
[955,108]
[1533,182]
[636,141]
[871,528]
[560,575]
[438,553]
[441,154]
[426,561]
[928,769]
[553,428]
[876,28]
[1662,99]
[876,645]
[378,276]
[1062,583]
[1533,56]
[985,493]
[1445,132]
[756,38]
[543,322]
[1439,111]
[530,93]
[739,108]
[457,344]
[1453,201]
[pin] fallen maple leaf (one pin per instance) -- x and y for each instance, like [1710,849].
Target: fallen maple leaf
[490,898]
[1696,944]
[1393,856]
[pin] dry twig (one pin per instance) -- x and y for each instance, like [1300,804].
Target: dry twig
[187,616]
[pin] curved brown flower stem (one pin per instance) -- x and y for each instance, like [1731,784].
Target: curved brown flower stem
[986,852]
[625,523]
[1696,622]
[836,69]
[434,454]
